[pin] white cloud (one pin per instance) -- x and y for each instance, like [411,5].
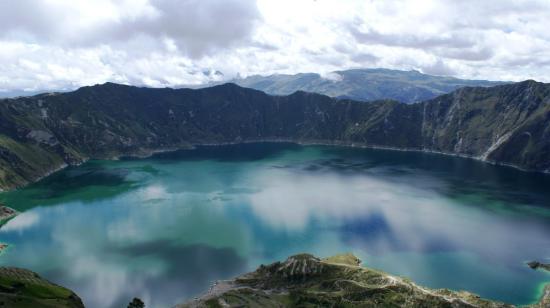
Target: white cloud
[62,44]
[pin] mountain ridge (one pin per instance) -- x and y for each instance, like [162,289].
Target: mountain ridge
[506,124]
[363,84]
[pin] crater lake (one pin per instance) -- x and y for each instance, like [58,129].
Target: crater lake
[166,227]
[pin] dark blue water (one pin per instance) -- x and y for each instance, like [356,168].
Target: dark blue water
[164,228]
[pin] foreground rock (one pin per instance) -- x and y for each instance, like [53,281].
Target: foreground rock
[23,288]
[6,213]
[536,265]
[306,281]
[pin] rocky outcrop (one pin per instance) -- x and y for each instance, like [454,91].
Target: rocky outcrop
[23,288]
[6,213]
[508,124]
[42,137]
[537,265]
[505,124]
[306,281]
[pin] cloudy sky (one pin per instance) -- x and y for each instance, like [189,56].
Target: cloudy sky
[63,44]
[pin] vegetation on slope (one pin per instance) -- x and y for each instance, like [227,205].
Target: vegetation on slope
[306,281]
[507,124]
[20,288]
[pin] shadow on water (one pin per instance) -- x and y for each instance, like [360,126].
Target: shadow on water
[244,152]
[463,176]
[90,182]
[368,232]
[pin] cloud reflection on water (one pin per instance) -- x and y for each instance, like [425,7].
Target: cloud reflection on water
[113,251]
[169,234]
[24,220]
[388,214]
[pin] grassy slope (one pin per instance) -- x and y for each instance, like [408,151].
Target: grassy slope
[29,162]
[21,288]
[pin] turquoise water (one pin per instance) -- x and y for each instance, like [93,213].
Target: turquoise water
[164,228]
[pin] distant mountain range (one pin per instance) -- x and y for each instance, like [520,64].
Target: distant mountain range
[507,124]
[363,84]
[17,93]
[356,84]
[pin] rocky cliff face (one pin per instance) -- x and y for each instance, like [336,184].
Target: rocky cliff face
[307,281]
[508,124]
[505,124]
[6,213]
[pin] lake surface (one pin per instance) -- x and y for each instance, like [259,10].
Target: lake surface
[164,228]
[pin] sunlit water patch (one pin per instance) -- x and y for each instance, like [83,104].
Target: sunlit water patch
[163,229]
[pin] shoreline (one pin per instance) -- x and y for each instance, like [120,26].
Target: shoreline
[147,153]
[6,213]
[306,274]
[375,147]
[542,289]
